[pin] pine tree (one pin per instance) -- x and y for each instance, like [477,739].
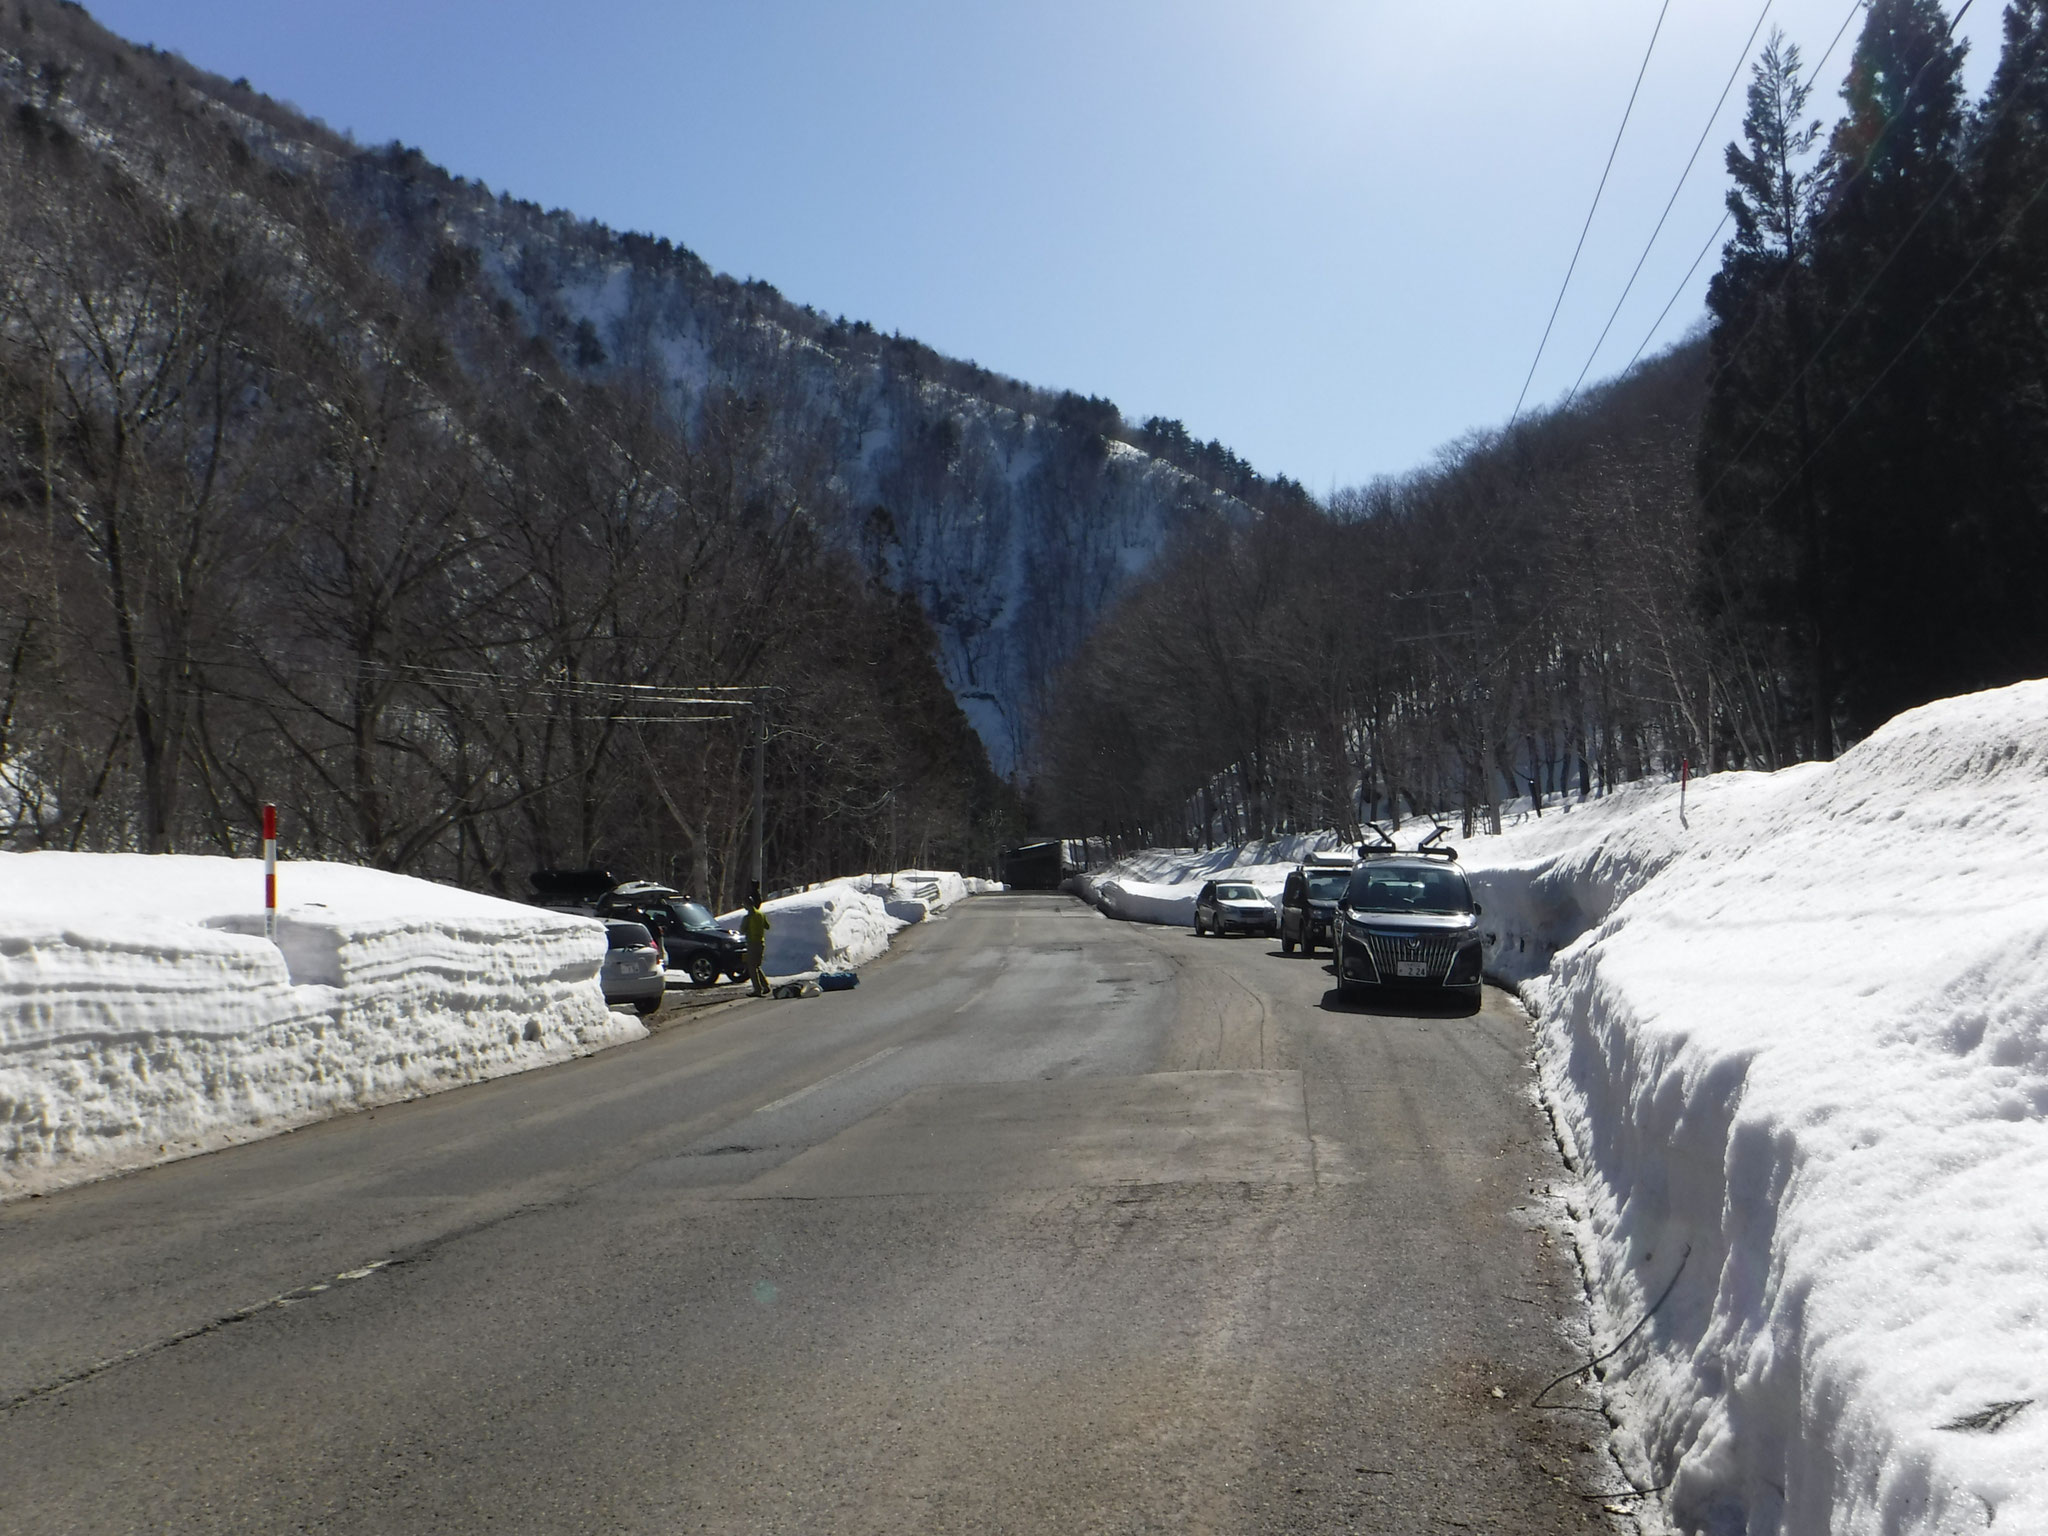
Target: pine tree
[2003,317]
[1764,533]
[1893,386]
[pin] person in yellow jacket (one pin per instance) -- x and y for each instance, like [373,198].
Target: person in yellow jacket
[755,930]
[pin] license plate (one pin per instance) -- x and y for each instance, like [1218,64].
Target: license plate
[1411,968]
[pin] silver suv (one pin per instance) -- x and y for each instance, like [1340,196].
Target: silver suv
[1233,906]
[1408,924]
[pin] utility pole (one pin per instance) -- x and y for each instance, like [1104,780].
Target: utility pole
[760,779]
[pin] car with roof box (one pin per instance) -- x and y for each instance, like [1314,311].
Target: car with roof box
[688,933]
[689,936]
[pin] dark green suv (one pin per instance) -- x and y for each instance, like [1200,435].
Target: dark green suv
[694,942]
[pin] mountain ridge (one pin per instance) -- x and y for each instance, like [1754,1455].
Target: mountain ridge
[1013,514]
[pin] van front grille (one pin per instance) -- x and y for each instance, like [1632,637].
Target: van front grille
[1390,950]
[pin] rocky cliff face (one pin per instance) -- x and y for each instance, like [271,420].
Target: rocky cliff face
[1013,515]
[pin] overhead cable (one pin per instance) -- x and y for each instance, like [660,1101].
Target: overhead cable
[1870,287]
[1691,160]
[1584,229]
[1841,190]
[2011,226]
[1679,292]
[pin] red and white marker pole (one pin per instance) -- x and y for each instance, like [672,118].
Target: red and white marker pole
[270,873]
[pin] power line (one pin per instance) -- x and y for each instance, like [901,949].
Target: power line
[641,695]
[725,697]
[1841,191]
[1911,341]
[1672,202]
[1870,287]
[1657,324]
[1613,150]
[1679,292]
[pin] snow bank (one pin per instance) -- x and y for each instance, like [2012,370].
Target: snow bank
[1800,1038]
[825,928]
[848,922]
[937,888]
[1147,901]
[912,895]
[144,1016]
[1794,1029]
[1159,885]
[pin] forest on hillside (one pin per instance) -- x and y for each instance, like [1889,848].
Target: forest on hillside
[294,508]
[1830,506]
[333,478]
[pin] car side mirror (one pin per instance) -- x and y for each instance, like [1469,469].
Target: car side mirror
[1477,910]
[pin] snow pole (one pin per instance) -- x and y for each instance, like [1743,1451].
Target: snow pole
[1684,779]
[270,872]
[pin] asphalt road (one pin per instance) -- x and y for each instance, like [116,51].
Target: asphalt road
[1054,1225]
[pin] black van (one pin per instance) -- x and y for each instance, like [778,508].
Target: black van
[1308,906]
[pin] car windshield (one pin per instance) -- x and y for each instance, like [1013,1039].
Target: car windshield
[1396,888]
[1326,887]
[694,915]
[1236,893]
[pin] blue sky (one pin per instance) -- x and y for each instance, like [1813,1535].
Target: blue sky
[1327,232]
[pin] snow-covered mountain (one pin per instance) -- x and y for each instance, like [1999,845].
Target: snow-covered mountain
[1013,514]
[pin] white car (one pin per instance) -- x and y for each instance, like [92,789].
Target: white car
[1234,906]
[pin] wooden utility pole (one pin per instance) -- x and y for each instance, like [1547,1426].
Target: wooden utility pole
[760,779]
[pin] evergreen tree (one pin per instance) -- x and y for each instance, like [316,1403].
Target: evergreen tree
[2003,320]
[1764,533]
[1898,589]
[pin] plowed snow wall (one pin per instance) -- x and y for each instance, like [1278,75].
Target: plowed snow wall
[143,1015]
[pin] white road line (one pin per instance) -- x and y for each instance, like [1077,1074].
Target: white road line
[826,1082]
[988,986]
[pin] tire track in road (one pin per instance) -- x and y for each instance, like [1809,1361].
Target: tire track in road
[1242,1036]
[1265,1016]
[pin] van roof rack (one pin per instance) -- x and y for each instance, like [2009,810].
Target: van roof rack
[1428,848]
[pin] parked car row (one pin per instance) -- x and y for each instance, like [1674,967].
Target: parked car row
[1393,920]
[694,942]
[652,930]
